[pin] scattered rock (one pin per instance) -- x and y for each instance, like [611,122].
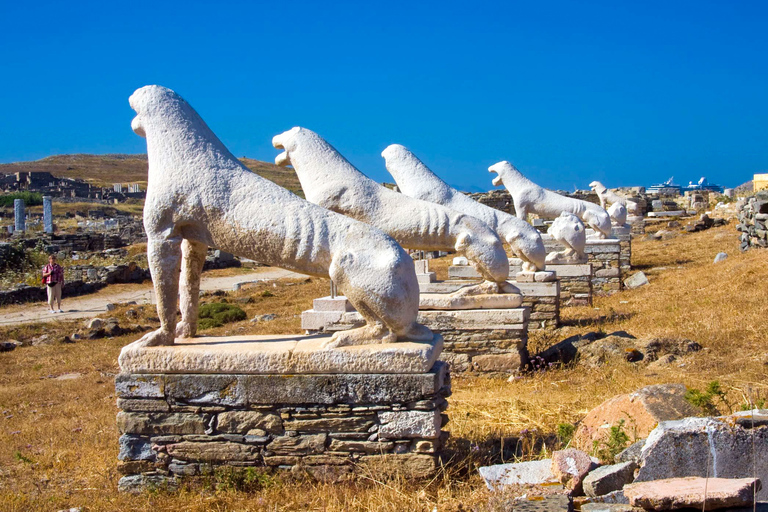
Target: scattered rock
[632,453]
[7,346]
[618,346]
[606,479]
[94,323]
[720,257]
[139,483]
[69,376]
[641,412]
[675,493]
[537,472]
[550,503]
[75,336]
[263,318]
[724,447]
[570,467]
[41,340]
[131,313]
[609,507]
[110,307]
[636,280]
[65,339]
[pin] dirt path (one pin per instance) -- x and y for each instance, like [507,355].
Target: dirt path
[87,306]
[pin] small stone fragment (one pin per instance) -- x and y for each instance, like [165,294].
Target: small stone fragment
[720,257]
[570,467]
[606,479]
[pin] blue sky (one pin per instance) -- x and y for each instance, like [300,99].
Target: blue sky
[629,93]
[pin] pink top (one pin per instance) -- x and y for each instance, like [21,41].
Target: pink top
[57,274]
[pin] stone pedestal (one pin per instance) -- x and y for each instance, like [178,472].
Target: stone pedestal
[482,340]
[605,255]
[540,291]
[271,403]
[624,235]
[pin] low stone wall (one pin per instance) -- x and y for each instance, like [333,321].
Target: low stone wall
[624,236]
[79,280]
[753,221]
[178,426]
[543,300]
[575,290]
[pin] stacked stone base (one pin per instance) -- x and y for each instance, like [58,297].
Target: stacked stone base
[479,340]
[325,426]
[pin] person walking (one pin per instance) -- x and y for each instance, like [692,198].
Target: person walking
[53,276]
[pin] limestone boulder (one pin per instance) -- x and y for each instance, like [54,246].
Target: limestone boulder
[734,446]
[537,472]
[692,492]
[641,411]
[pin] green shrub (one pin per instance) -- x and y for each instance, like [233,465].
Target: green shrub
[617,441]
[565,432]
[218,314]
[30,198]
[706,399]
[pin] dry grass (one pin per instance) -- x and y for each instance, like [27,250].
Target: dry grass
[65,436]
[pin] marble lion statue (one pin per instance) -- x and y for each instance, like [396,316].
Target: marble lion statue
[199,195]
[609,197]
[415,179]
[570,232]
[531,198]
[330,181]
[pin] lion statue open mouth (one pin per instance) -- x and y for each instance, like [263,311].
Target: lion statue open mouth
[199,195]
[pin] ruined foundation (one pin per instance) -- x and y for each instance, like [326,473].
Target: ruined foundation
[196,424]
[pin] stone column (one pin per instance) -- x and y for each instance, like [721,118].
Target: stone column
[47,214]
[18,210]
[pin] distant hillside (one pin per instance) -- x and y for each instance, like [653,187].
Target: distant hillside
[104,170]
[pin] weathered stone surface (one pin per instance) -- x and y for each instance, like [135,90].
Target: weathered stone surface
[246,422]
[141,483]
[692,492]
[715,447]
[409,424]
[241,390]
[641,412]
[721,256]
[606,479]
[442,301]
[303,444]
[506,363]
[133,447]
[535,472]
[636,280]
[411,464]
[339,445]
[609,507]
[631,454]
[570,467]
[138,405]
[277,354]
[350,424]
[160,423]
[211,452]
[550,503]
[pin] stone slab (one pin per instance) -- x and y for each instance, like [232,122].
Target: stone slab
[245,390]
[429,277]
[486,301]
[448,286]
[463,272]
[475,319]
[278,354]
[676,213]
[539,289]
[537,472]
[338,303]
[692,492]
[566,270]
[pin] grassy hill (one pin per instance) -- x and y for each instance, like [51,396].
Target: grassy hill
[104,170]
